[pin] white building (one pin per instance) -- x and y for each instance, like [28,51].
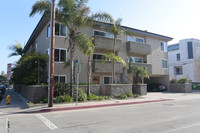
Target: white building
[184,60]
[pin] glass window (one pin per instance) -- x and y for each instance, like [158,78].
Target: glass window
[63,55]
[178,70]
[56,79]
[135,59]
[60,30]
[163,46]
[164,64]
[57,55]
[131,38]
[48,31]
[105,34]
[57,29]
[140,40]
[97,56]
[60,55]
[178,57]
[173,47]
[107,80]
[59,79]
[62,79]
[190,50]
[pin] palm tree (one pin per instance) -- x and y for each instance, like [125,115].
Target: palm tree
[113,58]
[74,14]
[17,50]
[140,72]
[87,47]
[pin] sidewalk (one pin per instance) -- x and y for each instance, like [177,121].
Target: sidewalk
[19,104]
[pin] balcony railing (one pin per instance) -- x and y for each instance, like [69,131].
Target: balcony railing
[106,67]
[106,43]
[138,48]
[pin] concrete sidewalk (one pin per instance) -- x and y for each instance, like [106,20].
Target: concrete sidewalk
[19,104]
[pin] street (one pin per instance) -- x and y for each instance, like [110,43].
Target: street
[181,116]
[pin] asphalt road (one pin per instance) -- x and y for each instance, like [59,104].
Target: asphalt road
[164,117]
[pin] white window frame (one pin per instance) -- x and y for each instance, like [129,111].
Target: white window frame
[60,30]
[164,64]
[109,77]
[104,32]
[135,39]
[165,46]
[61,76]
[175,72]
[60,54]
[133,58]
[48,31]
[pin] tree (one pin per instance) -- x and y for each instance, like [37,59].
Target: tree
[87,47]
[140,72]
[17,50]
[74,14]
[28,69]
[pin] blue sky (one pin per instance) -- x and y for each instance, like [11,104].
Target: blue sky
[174,18]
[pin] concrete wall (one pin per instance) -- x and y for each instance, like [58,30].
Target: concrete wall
[34,93]
[113,89]
[181,88]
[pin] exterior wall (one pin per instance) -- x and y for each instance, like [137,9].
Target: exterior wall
[181,88]
[154,59]
[190,66]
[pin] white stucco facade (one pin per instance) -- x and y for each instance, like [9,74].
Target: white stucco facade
[184,60]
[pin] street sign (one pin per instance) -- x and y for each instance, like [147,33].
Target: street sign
[9,70]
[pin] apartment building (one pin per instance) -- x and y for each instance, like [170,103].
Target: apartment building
[184,60]
[146,49]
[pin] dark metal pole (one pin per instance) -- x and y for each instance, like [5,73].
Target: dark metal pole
[51,90]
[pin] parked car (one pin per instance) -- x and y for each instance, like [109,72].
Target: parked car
[2,91]
[156,87]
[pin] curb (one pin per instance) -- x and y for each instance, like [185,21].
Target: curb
[98,106]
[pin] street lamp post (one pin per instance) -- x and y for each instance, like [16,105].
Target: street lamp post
[51,63]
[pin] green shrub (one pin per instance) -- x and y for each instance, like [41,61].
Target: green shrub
[120,96]
[63,99]
[136,95]
[92,97]
[129,94]
[45,100]
[183,80]
[82,96]
[173,81]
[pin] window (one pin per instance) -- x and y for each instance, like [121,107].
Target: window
[60,55]
[135,59]
[190,50]
[60,30]
[48,31]
[60,79]
[173,47]
[102,33]
[163,46]
[107,80]
[178,70]
[135,39]
[178,57]
[97,56]
[164,64]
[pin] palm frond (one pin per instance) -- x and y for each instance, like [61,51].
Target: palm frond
[42,7]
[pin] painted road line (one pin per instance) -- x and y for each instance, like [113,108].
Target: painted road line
[47,122]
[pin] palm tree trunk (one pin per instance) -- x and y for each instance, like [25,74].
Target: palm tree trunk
[89,75]
[113,62]
[71,68]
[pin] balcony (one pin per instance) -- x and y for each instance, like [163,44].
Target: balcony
[138,48]
[106,43]
[145,65]
[106,67]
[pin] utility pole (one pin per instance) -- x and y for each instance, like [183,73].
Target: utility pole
[51,64]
